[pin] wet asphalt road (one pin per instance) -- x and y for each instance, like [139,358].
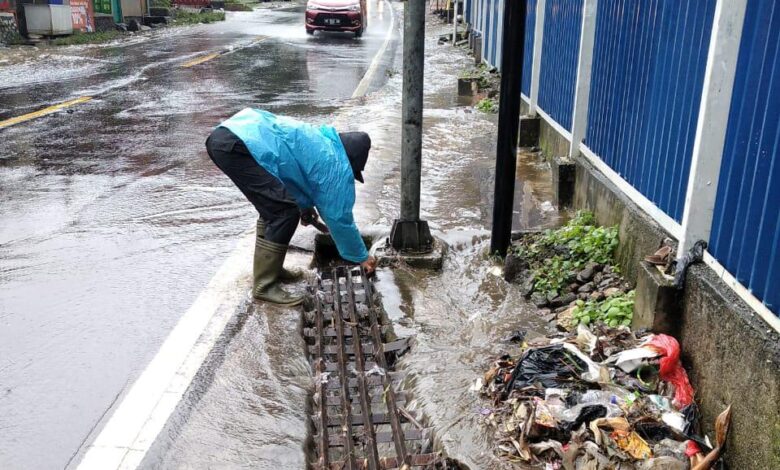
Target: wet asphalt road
[114,219]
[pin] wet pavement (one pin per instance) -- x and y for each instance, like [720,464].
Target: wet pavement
[114,218]
[249,407]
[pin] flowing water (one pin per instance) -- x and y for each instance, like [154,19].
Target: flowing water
[114,220]
[253,412]
[113,217]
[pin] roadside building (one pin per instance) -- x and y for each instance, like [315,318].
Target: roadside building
[83,15]
[9,31]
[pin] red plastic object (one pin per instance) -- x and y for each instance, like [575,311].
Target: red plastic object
[692,448]
[672,370]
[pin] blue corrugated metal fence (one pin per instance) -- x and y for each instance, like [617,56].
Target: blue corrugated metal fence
[560,49]
[746,226]
[528,47]
[647,77]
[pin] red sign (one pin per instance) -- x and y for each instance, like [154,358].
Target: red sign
[6,5]
[83,16]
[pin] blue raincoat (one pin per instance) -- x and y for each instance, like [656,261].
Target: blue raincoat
[313,166]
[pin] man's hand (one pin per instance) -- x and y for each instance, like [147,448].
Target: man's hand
[310,217]
[369,265]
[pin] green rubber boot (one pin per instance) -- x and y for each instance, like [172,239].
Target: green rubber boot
[286,275]
[269,257]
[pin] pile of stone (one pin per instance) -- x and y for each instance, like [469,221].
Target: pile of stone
[593,282]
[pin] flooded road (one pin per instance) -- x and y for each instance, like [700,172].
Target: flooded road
[249,409]
[114,220]
[113,217]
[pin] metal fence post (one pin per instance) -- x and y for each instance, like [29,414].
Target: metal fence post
[500,33]
[508,124]
[485,29]
[454,22]
[579,120]
[712,122]
[536,61]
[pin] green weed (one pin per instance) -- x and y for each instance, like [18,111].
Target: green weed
[186,17]
[78,38]
[237,6]
[617,310]
[557,255]
[487,105]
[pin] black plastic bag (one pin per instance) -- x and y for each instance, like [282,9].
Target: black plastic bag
[548,366]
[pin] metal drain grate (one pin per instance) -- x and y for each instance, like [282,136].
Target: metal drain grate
[359,418]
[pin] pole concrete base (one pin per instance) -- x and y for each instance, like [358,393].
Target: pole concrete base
[433,259]
[529,131]
[411,236]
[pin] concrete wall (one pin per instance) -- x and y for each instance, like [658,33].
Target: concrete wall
[8,30]
[551,142]
[732,355]
[639,235]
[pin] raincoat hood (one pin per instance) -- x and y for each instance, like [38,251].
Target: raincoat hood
[357,145]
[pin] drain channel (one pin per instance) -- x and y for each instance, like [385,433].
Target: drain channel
[359,418]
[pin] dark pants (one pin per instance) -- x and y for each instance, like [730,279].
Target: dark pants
[264,190]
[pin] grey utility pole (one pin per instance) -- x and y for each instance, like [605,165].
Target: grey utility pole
[409,232]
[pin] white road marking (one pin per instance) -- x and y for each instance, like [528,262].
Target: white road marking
[362,87]
[143,412]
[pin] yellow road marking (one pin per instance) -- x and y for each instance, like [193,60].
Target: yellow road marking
[200,60]
[43,112]
[213,55]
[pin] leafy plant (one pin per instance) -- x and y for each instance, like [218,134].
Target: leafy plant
[487,105]
[78,38]
[186,17]
[554,275]
[237,6]
[585,241]
[468,73]
[614,311]
[558,254]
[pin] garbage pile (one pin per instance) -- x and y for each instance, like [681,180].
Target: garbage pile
[599,398]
